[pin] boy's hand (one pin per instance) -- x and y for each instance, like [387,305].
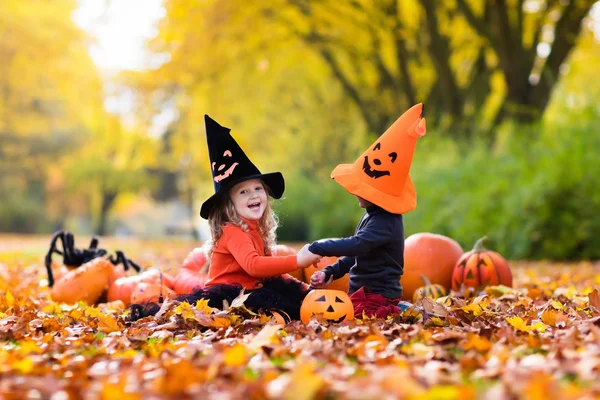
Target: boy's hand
[317,280]
[304,258]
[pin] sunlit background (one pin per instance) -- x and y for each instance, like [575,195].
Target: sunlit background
[102,105]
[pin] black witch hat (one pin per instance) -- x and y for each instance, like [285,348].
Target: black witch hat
[230,166]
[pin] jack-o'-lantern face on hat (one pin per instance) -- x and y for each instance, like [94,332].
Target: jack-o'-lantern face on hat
[229,166]
[380,162]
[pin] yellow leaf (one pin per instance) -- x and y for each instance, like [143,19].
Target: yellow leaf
[539,326]
[185,310]
[10,300]
[304,383]
[92,312]
[556,304]
[221,322]
[28,347]
[52,308]
[474,309]
[518,324]
[437,321]
[236,356]
[202,306]
[462,392]
[117,391]
[76,313]
[25,365]
[108,323]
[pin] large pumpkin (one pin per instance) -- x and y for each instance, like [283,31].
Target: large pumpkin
[481,267]
[431,255]
[338,284]
[334,305]
[284,250]
[193,272]
[85,283]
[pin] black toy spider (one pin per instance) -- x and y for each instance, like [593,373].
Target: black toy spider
[73,257]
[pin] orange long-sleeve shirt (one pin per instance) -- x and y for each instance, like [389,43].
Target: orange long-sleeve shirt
[239,257]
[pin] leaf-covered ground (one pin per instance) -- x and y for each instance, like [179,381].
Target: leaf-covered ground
[540,340]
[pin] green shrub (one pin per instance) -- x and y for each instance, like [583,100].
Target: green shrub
[535,193]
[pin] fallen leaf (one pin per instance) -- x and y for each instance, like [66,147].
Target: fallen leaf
[236,356]
[594,299]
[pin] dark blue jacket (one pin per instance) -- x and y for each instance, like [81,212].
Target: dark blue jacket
[374,256]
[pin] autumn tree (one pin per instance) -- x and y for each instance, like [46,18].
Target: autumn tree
[472,63]
[49,90]
[115,161]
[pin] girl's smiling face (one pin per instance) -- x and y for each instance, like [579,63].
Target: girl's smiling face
[249,199]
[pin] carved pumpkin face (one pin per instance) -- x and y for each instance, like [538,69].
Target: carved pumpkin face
[378,163]
[226,164]
[481,267]
[334,305]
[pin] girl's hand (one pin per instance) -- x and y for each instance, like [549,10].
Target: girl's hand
[317,280]
[304,258]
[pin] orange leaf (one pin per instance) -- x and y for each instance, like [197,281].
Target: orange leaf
[595,299]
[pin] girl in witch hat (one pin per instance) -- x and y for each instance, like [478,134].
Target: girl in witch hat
[243,228]
[374,256]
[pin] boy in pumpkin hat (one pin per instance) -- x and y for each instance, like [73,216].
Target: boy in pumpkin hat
[374,256]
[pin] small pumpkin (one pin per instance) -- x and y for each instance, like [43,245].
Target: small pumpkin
[432,291]
[481,267]
[122,288]
[430,255]
[334,305]
[193,272]
[284,250]
[149,292]
[339,284]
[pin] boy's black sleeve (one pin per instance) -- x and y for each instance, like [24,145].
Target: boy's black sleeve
[339,268]
[374,234]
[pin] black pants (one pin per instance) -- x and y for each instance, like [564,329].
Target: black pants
[276,294]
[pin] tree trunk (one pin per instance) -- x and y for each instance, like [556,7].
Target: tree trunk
[108,199]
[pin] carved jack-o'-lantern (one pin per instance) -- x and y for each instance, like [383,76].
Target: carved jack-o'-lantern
[226,164]
[481,267]
[334,305]
[380,160]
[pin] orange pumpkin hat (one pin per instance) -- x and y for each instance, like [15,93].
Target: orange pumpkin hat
[380,175]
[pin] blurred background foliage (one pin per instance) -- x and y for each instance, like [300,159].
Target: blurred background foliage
[510,88]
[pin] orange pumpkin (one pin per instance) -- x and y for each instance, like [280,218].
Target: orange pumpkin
[147,291]
[432,291]
[283,250]
[122,288]
[338,284]
[481,267]
[86,283]
[192,274]
[431,255]
[334,305]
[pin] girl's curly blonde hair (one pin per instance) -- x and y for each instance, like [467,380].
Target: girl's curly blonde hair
[225,212]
